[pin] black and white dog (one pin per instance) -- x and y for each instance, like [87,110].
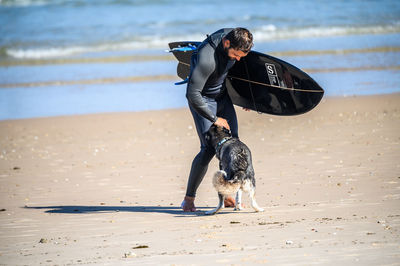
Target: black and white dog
[236,172]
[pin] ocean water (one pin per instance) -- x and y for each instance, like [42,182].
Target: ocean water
[63,57]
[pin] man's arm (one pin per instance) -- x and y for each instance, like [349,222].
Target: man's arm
[204,67]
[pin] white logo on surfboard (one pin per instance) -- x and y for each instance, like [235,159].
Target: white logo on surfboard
[272,74]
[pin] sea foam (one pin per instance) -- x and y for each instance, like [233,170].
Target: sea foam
[265,33]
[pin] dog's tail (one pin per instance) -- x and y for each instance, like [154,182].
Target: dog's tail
[222,185]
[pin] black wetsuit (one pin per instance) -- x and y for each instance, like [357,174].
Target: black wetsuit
[208,99]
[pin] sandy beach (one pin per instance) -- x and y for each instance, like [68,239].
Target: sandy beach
[106,189]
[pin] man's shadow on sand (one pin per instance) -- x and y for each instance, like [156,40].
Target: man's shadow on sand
[75,209]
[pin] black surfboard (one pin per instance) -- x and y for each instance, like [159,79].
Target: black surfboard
[261,82]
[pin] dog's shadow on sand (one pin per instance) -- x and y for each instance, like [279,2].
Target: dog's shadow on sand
[76,209]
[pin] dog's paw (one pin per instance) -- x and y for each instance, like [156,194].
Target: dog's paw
[210,212]
[214,211]
[238,207]
[259,209]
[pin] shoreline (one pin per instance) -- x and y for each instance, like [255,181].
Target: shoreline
[325,98]
[158,78]
[106,189]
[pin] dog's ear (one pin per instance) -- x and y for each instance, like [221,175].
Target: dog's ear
[227,131]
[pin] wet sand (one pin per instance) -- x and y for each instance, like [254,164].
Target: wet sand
[106,189]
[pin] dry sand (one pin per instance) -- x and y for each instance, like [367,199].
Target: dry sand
[106,189]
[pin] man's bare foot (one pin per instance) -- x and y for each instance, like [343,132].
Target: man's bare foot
[188,204]
[229,202]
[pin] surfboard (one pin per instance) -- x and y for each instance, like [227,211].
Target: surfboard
[260,82]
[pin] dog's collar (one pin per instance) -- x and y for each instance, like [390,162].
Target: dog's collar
[219,145]
[223,141]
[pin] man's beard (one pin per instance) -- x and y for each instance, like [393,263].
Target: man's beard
[226,53]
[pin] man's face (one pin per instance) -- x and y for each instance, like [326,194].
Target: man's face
[233,54]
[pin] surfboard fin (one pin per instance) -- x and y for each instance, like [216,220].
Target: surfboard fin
[182,82]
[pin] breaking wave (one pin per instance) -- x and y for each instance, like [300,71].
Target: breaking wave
[270,32]
[265,33]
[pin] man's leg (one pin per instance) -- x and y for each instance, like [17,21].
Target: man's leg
[198,170]
[201,161]
[197,173]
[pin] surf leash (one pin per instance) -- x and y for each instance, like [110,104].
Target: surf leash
[182,82]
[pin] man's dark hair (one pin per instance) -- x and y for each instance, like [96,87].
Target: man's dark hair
[240,39]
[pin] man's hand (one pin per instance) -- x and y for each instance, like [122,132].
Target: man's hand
[221,122]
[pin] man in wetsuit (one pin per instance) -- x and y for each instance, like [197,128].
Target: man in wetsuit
[208,99]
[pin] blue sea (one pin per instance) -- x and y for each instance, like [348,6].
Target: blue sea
[67,57]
